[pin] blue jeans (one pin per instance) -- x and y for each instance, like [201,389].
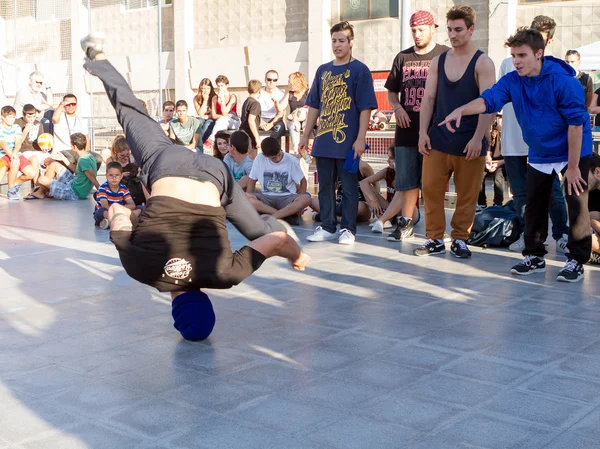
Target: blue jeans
[329,171]
[205,128]
[516,171]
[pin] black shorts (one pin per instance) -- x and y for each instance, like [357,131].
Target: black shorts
[179,246]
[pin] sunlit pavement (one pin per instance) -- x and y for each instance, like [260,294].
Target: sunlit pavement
[371,347]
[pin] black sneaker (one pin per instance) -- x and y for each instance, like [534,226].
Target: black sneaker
[431,247]
[594,258]
[530,265]
[294,220]
[404,231]
[316,217]
[460,249]
[571,272]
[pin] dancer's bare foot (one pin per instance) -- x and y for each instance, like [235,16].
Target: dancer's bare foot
[301,263]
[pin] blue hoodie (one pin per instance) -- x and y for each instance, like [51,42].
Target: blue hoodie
[545,106]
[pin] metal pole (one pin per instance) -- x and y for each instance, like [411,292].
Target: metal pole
[160,92]
[405,35]
[16,48]
[91,124]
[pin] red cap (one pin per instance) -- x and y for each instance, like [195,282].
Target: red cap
[422,18]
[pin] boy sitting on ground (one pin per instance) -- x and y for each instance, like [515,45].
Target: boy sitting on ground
[112,192]
[11,160]
[283,183]
[60,183]
[237,159]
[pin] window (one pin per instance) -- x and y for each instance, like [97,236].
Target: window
[141,4]
[50,10]
[368,9]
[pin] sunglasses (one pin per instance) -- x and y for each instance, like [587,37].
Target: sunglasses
[39,82]
[273,79]
[71,104]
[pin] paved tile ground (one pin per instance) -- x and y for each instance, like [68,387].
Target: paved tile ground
[369,348]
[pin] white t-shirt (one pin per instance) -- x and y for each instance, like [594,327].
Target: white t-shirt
[277,178]
[512,137]
[26,96]
[267,107]
[64,128]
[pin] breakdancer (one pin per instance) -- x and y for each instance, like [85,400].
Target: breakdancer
[180,244]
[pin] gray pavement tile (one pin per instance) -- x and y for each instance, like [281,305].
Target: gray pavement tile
[280,413]
[562,385]
[487,371]
[43,381]
[14,361]
[155,418]
[541,307]
[592,350]
[274,375]
[224,433]
[158,379]
[215,394]
[398,407]
[492,433]
[87,435]
[213,361]
[457,340]
[361,432]
[324,358]
[534,408]
[569,440]
[517,352]
[377,371]
[336,392]
[440,387]
[582,366]
[589,426]
[96,398]
[23,422]
[417,356]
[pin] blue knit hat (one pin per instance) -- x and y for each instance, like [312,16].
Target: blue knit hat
[194,315]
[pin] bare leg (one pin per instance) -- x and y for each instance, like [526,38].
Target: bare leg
[297,206]
[281,244]
[409,201]
[314,204]
[260,206]
[12,177]
[364,213]
[28,174]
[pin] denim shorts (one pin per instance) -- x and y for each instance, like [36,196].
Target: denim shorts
[409,165]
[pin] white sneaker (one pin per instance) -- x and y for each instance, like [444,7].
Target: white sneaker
[561,244]
[519,245]
[377,227]
[346,237]
[321,235]
[386,225]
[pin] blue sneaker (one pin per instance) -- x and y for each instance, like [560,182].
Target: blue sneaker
[13,194]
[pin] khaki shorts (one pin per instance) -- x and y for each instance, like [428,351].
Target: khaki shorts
[276,201]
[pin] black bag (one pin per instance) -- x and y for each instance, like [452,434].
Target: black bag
[495,226]
[133,183]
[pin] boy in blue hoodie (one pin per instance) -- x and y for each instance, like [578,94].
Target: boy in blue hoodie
[544,90]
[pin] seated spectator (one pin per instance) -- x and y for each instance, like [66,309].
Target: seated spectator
[121,153]
[221,144]
[184,128]
[573,58]
[364,213]
[203,104]
[283,183]
[62,184]
[237,160]
[385,209]
[223,110]
[593,180]
[32,94]
[296,99]
[67,122]
[251,114]
[168,110]
[112,192]
[10,158]
[494,168]
[31,128]
[272,108]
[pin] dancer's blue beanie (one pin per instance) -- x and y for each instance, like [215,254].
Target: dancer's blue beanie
[194,315]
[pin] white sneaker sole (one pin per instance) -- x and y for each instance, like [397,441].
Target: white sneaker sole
[559,278]
[436,253]
[346,242]
[311,238]
[527,273]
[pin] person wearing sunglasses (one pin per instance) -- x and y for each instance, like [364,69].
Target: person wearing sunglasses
[37,93]
[271,107]
[67,122]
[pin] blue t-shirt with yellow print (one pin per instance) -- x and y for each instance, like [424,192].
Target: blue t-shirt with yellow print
[340,93]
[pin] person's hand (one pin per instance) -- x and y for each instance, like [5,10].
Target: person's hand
[205,96]
[574,181]
[14,162]
[303,144]
[376,207]
[359,147]
[126,174]
[424,144]
[60,157]
[48,161]
[266,126]
[493,166]
[473,149]
[402,119]
[454,116]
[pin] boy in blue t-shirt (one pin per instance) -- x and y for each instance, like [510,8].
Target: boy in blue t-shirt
[342,97]
[10,158]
